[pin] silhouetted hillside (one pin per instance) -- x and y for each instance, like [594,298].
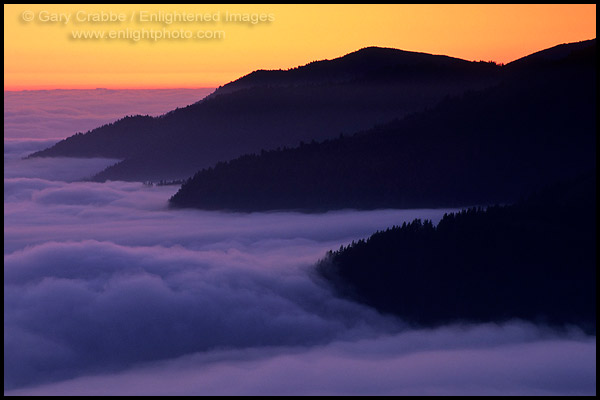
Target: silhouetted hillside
[269,109]
[370,63]
[133,133]
[554,54]
[479,148]
[535,260]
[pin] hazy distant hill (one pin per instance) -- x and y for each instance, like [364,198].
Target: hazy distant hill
[269,109]
[535,260]
[481,147]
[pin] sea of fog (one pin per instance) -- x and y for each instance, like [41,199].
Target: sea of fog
[107,291]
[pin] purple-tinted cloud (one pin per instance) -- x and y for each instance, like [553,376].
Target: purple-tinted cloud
[107,291]
[103,277]
[37,210]
[511,359]
[19,148]
[61,113]
[98,275]
[111,306]
[68,169]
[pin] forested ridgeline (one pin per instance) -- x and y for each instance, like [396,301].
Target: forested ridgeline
[534,260]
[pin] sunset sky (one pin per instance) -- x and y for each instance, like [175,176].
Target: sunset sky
[41,53]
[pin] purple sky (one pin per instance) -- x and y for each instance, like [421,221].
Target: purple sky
[106,291]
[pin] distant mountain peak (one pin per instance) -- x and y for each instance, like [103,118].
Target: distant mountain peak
[270,109]
[376,50]
[365,61]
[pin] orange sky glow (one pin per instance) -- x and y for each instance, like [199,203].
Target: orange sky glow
[42,51]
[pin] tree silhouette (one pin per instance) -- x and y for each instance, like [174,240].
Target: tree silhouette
[533,260]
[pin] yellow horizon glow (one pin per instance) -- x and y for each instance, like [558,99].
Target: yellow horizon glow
[40,55]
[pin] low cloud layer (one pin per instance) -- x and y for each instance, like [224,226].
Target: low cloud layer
[61,113]
[103,276]
[91,305]
[107,291]
[69,169]
[510,359]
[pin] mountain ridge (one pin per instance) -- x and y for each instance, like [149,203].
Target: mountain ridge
[248,114]
[533,260]
[481,147]
[384,56]
[266,110]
